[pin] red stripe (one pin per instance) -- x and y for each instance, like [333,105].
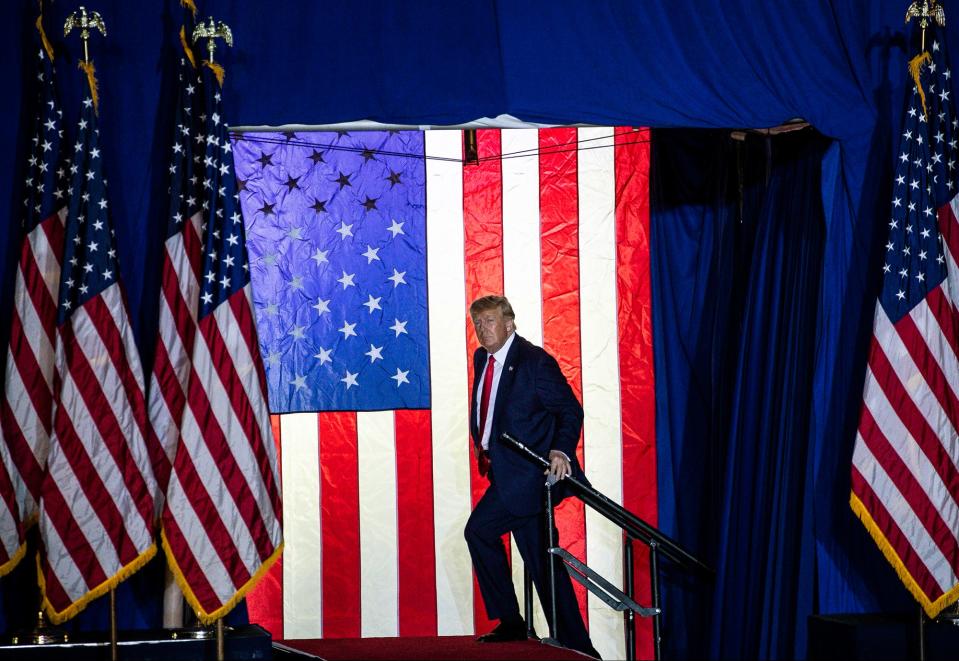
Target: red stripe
[53,226]
[912,418]
[179,310]
[41,397]
[913,492]
[28,367]
[59,515]
[950,231]
[483,243]
[340,523]
[214,529]
[945,314]
[23,458]
[221,360]
[175,315]
[117,440]
[34,290]
[893,534]
[929,367]
[636,382]
[171,392]
[559,254]
[32,265]
[243,316]
[414,519]
[13,514]
[212,435]
[192,248]
[265,600]
[189,567]
[54,590]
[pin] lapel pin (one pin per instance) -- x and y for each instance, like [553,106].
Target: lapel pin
[510,368]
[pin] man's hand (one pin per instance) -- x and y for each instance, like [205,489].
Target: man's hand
[559,466]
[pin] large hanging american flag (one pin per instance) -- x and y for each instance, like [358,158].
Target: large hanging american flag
[96,503]
[366,249]
[221,520]
[905,481]
[27,402]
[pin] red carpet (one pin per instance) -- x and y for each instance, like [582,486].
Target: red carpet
[451,648]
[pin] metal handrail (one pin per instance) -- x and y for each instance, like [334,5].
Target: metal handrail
[634,528]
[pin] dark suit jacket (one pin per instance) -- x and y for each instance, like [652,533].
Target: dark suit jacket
[534,404]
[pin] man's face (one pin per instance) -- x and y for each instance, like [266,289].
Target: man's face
[492,329]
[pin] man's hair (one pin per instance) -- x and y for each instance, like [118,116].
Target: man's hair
[490,302]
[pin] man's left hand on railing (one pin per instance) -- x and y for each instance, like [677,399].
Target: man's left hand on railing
[559,466]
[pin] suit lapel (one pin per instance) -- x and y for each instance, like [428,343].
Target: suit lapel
[506,378]
[479,360]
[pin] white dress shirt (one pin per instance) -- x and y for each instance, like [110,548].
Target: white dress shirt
[500,357]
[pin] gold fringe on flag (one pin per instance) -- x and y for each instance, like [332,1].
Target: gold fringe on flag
[43,36]
[186,47]
[188,4]
[915,68]
[89,69]
[217,70]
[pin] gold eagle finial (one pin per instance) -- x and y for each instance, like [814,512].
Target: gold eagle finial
[210,31]
[926,11]
[84,21]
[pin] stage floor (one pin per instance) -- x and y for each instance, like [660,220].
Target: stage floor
[444,648]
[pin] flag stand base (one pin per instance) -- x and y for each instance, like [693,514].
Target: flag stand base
[41,634]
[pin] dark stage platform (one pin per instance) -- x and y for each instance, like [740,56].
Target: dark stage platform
[250,642]
[442,648]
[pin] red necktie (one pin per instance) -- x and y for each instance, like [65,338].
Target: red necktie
[484,409]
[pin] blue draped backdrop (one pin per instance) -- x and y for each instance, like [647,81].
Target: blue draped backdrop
[760,485]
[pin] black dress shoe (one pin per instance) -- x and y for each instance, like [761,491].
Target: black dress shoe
[504,633]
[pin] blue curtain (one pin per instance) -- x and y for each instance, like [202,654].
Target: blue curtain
[738,267]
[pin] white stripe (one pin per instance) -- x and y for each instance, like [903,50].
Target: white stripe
[9,532]
[33,432]
[209,470]
[522,284]
[379,536]
[35,331]
[195,537]
[521,233]
[245,368]
[913,381]
[601,399]
[899,511]
[165,423]
[61,563]
[48,264]
[908,451]
[88,343]
[80,510]
[952,268]
[303,549]
[450,391]
[935,339]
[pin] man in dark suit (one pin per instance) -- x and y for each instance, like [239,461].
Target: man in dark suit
[519,389]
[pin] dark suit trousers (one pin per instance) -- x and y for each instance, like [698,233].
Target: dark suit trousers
[484,531]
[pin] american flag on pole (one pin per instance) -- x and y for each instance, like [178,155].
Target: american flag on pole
[905,481]
[96,503]
[221,520]
[366,249]
[179,280]
[27,403]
